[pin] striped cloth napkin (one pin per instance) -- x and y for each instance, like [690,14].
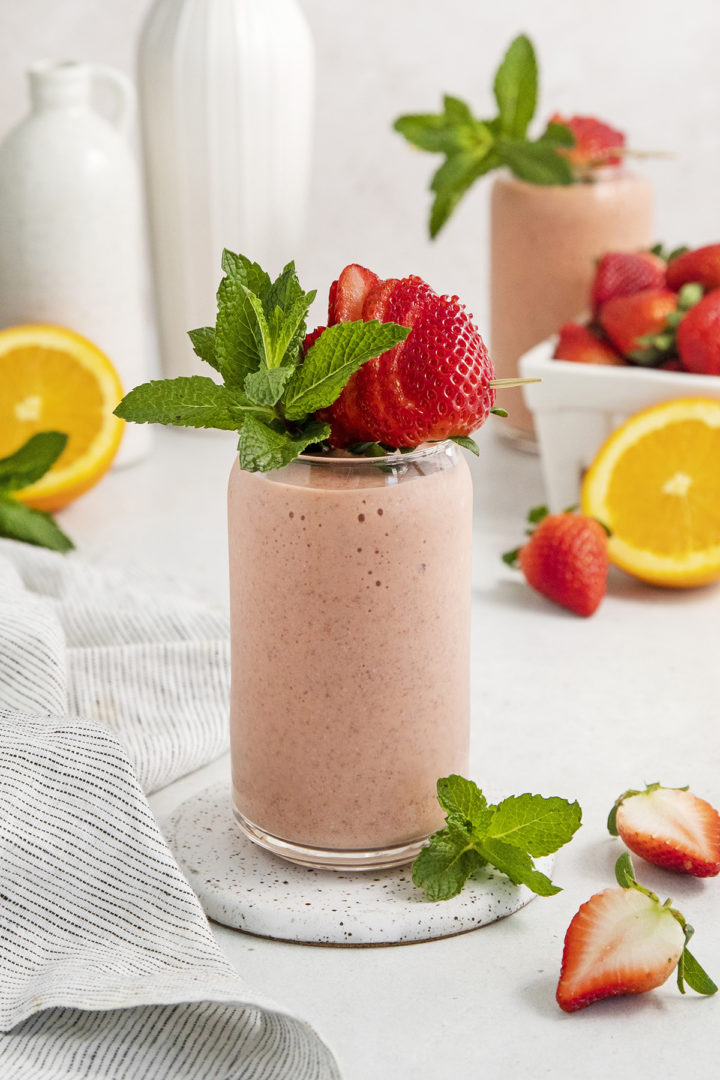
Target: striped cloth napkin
[108,969]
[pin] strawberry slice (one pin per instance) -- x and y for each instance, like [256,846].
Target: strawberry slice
[670,827]
[624,941]
[624,273]
[347,294]
[578,344]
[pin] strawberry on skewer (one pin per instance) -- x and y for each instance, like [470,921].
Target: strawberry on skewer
[624,941]
[437,384]
[669,827]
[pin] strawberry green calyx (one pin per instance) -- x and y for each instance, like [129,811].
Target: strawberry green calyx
[656,349]
[688,969]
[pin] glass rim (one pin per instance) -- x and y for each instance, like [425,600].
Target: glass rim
[394,458]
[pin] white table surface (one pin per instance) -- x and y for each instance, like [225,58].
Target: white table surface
[561,706]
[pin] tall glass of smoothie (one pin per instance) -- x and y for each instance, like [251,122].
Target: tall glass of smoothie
[350,608]
[544,243]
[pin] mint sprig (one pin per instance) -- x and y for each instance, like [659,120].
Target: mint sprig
[19,470]
[474,147]
[270,391]
[507,835]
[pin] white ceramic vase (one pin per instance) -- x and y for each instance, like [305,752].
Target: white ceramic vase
[226,101]
[71,243]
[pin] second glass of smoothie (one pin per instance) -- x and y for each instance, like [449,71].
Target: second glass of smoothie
[544,244]
[350,604]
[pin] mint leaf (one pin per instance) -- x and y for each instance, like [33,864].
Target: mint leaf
[262,448]
[453,179]
[32,460]
[20,522]
[285,291]
[236,327]
[535,162]
[336,355]
[457,795]
[518,866]
[430,131]
[243,270]
[265,387]
[467,443]
[203,343]
[558,135]
[288,330]
[507,836]
[194,401]
[537,825]
[443,867]
[515,88]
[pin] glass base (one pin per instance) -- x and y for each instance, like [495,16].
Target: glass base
[328,859]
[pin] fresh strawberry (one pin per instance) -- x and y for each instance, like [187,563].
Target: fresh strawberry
[624,273]
[312,337]
[347,294]
[565,559]
[631,321]
[698,336]
[578,343]
[433,385]
[624,941]
[596,143]
[670,827]
[702,265]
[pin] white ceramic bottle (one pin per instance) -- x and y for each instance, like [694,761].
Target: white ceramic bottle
[226,101]
[71,249]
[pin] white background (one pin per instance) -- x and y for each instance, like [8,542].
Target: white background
[648,67]
[585,708]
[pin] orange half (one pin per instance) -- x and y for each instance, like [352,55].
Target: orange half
[656,484]
[52,379]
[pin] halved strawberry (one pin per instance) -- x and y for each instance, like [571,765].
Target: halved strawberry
[702,265]
[433,385]
[627,320]
[596,143]
[670,827]
[624,941]
[624,273]
[347,294]
[578,344]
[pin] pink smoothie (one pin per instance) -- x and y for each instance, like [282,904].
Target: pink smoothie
[544,242]
[350,604]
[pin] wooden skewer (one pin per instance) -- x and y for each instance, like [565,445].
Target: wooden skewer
[503,384]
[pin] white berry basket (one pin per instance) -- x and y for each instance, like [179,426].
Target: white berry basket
[577,406]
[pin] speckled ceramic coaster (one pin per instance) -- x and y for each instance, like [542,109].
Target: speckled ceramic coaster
[242,886]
